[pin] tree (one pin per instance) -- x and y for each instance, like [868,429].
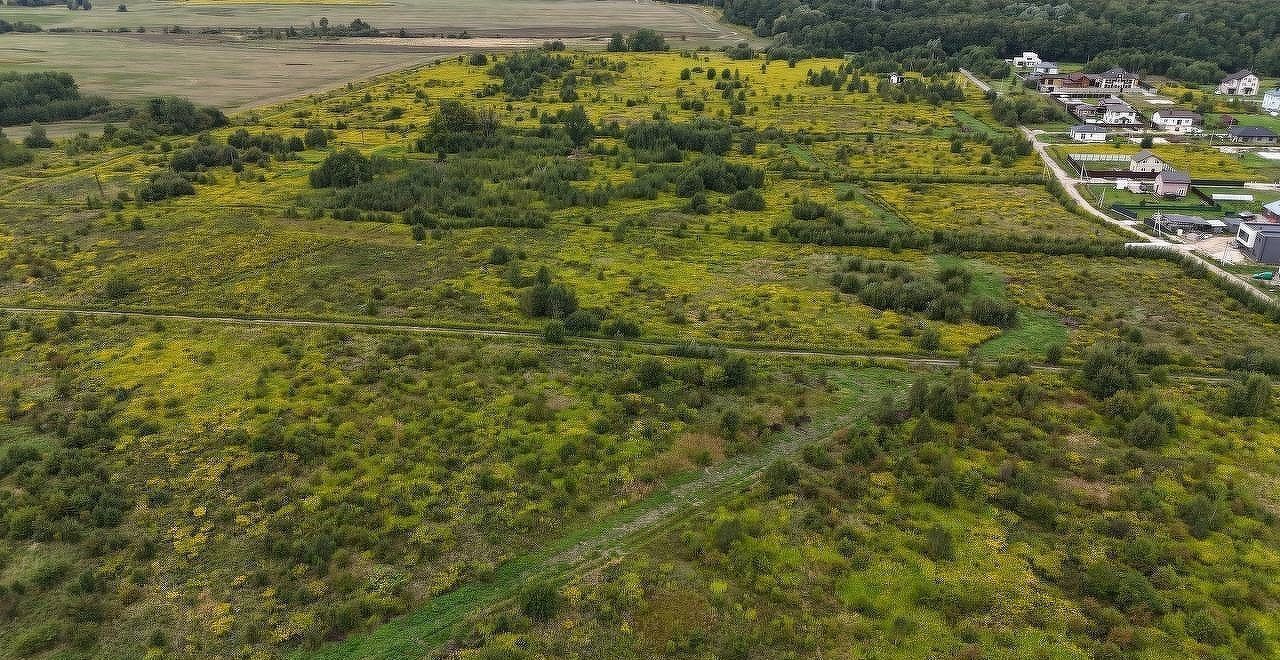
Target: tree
[37,138]
[1107,369]
[1250,397]
[577,125]
[553,332]
[617,43]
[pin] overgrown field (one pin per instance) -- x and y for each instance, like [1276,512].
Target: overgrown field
[620,283]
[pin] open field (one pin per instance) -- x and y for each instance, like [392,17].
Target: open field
[233,74]
[480,18]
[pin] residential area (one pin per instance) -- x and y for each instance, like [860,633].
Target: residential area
[1195,166]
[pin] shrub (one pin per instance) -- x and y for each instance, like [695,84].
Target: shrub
[780,476]
[1107,369]
[539,600]
[553,332]
[164,185]
[342,169]
[749,199]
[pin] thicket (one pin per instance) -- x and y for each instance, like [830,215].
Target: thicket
[44,96]
[524,72]
[944,296]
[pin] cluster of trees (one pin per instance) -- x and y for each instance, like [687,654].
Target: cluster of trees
[664,141]
[935,91]
[458,127]
[524,72]
[1231,36]
[1017,109]
[20,26]
[643,40]
[946,296]
[12,153]
[44,96]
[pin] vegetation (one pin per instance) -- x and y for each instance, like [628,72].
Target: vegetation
[44,96]
[437,362]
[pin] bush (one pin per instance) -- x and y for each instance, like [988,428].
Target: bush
[780,476]
[749,199]
[581,322]
[342,169]
[553,332]
[1107,369]
[539,600]
[164,185]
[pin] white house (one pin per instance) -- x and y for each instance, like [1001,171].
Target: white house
[1026,60]
[1115,112]
[1271,100]
[1088,133]
[1046,68]
[1145,161]
[1115,78]
[1174,120]
[1240,83]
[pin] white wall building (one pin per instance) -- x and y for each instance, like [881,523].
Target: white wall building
[1026,60]
[1145,161]
[1174,120]
[1088,133]
[1271,101]
[1116,111]
[1240,83]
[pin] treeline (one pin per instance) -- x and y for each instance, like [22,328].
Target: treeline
[1230,35]
[20,26]
[825,233]
[44,96]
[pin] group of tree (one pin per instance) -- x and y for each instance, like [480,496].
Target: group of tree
[44,96]
[945,296]
[643,40]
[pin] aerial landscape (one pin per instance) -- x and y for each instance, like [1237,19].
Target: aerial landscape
[742,329]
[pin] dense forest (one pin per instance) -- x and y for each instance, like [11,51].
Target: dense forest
[1230,35]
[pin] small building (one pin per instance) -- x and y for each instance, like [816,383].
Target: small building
[1049,83]
[1271,212]
[1145,161]
[1177,223]
[1117,112]
[1228,120]
[1174,120]
[1240,83]
[1046,68]
[1252,135]
[1088,133]
[1116,78]
[1172,183]
[1271,101]
[895,78]
[1260,241]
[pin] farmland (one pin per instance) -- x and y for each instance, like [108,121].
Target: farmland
[628,354]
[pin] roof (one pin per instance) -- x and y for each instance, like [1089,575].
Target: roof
[1088,128]
[1114,102]
[1174,176]
[1251,131]
[1239,75]
[1273,207]
[1116,72]
[1178,113]
[1269,228]
[1185,219]
[1143,155]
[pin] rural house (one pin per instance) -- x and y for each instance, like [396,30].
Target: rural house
[1050,83]
[1271,101]
[1088,133]
[1174,120]
[1026,60]
[1116,111]
[1260,240]
[1240,83]
[1145,161]
[1116,78]
[1251,135]
[1046,68]
[1172,183]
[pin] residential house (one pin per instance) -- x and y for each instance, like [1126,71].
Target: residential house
[1240,83]
[1046,68]
[1252,135]
[1116,78]
[1271,101]
[1050,83]
[1026,60]
[1174,120]
[1172,183]
[1145,161]
[1088,133]
[895,78]
[1260,240]
[1117,112]
[1271,212]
